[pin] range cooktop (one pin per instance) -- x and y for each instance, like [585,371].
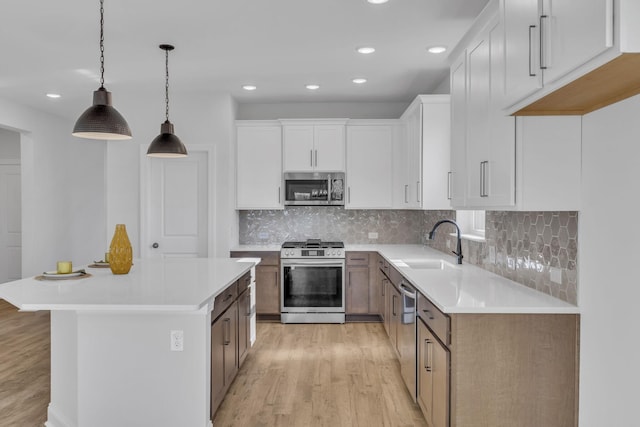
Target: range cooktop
[312,248]
[313,243]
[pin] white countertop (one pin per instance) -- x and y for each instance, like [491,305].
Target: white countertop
[173,284]
[462,289]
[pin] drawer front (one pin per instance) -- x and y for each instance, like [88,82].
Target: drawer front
[436,320]
[224,300]
[357,258]
[267,257]
[244,282]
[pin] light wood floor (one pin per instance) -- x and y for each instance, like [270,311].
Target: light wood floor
[294,376]
[319,375]
[24,367]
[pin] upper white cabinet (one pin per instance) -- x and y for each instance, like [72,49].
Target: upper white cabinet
[547,39]
[457,174]
[370,164]
[498,161]
[426,134]
[489,135]
[258,165]
[548,169]
[317,145]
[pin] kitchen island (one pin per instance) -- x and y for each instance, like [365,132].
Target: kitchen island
[112,362]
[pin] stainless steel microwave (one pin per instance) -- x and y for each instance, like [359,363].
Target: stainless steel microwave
[314,188]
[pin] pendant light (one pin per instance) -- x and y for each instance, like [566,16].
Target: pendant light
[167,144]
[101,120]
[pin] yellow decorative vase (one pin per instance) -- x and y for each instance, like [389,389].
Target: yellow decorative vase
[120,252]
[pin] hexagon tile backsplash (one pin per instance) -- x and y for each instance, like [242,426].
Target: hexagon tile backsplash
[526,247]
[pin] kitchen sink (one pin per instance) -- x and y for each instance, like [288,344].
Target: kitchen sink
[424,264]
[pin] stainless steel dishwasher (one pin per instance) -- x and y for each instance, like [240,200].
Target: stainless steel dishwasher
[407,337]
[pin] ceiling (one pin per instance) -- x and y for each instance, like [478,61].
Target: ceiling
[277,45]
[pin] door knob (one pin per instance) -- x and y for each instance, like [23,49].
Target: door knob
[155,245]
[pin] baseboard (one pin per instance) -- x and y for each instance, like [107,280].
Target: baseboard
[374,318]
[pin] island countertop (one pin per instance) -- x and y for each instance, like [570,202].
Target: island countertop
[172,284]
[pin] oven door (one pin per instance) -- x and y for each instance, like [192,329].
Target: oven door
[312,286]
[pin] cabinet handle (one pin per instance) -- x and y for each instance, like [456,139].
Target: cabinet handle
[418,191]
[349,194]
[357,259]
[349,279]
[383,286]
[406,197]
[427,356]
[428,313]
[531,27]
[316,158]
[227,331]
[449,185]
[393,305]
[279,196]
[543,64]
[276,282]
[483,179]
[227,298]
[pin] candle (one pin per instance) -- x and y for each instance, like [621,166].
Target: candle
[64,267]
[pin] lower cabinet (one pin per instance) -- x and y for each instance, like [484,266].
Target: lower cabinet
[433,377]
[230,337]
[267,282]
[362,285]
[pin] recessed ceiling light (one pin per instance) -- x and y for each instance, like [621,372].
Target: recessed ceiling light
[377,1]
[359,81]
[312,87]
[53,95]
[437,49]
[365,50]
[249,87]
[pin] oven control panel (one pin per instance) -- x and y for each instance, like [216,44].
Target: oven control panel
[331,253]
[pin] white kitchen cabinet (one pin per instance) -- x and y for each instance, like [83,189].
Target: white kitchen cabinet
[547,39]
[369,164]
[457,174]
[426,134]
[490,134]
[258,165]
[314,145]
[549,163]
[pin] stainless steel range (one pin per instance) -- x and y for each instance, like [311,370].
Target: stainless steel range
[313,276]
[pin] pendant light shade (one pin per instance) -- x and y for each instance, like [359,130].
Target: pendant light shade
[167,144]
[101,120]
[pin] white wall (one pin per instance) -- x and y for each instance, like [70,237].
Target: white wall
[609,290]
[198,119]
[63,200]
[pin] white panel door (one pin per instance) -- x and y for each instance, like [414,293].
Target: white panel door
[10,223]
[369,166]
[179,206]
[298,148]
[329,148]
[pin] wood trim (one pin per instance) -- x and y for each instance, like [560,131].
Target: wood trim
[614,81]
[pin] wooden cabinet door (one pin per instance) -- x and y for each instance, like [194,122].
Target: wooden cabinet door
[425,377]
[329,148]
[440,381]
[395,317]
[267,289]
[357,290]
[217,365]
[259,167]
[387,305]
[230,342]
[244,333]
[298,151]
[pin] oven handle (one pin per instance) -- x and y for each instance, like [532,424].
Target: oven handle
[405,291]
[316,262]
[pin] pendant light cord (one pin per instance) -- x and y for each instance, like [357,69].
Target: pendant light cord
[102,43]
[166,85]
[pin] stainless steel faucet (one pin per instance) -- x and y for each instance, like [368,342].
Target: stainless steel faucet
[432,235]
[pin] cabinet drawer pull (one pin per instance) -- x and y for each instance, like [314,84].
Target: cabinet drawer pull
[428,313]
[531,27]
[543,63]
[357,259]
[227,332]
[227,298]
